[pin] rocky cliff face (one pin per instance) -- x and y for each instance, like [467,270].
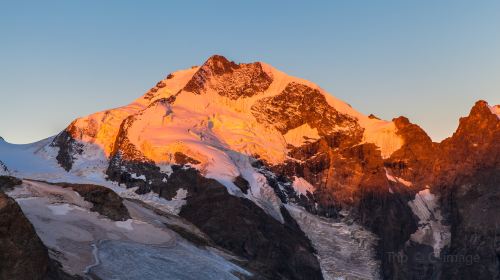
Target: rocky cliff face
[463,171]
[229,79]
[468,179]
[22,254]
[273,249]
[299,104]
[351,181]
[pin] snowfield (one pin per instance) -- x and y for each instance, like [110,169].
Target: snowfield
[180,261]
[344,251]
[431,230]
[84,241]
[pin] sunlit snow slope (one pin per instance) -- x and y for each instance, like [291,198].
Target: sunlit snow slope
[205,111]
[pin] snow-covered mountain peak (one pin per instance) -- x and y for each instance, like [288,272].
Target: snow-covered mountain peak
[248,108]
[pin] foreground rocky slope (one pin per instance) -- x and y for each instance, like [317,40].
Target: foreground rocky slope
[468,180]
[293,182]
[22,253]
[77,240]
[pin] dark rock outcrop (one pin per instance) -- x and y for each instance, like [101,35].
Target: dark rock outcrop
[8,182]
[105,201]
[471,205]
[242,184]
[68,149]
[229,79]
[391,219]
[3,168]
[467,177]
[475,146]
[22,253]
[56,272]
[299,104]
[413,161]
[242,227]
[182,159]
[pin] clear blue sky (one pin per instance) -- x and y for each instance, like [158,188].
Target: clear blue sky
[427,60]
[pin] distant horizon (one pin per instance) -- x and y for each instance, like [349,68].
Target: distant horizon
[428,61]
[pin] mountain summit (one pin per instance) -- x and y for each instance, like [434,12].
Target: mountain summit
[249,108]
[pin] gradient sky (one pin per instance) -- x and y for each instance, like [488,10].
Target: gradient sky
[427,60]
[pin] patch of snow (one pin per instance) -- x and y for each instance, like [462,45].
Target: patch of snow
[431,230]
[170,206]
[404,182]
[389,176]
[344,251]
[92,162]
[165,168]
[301,186]
[60,209]
[141,177]
[22,160]
[181,194]
[260,192]
[397,179]
[125,224]
[301,135]
[495,110]
[383,134]
[174,205]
